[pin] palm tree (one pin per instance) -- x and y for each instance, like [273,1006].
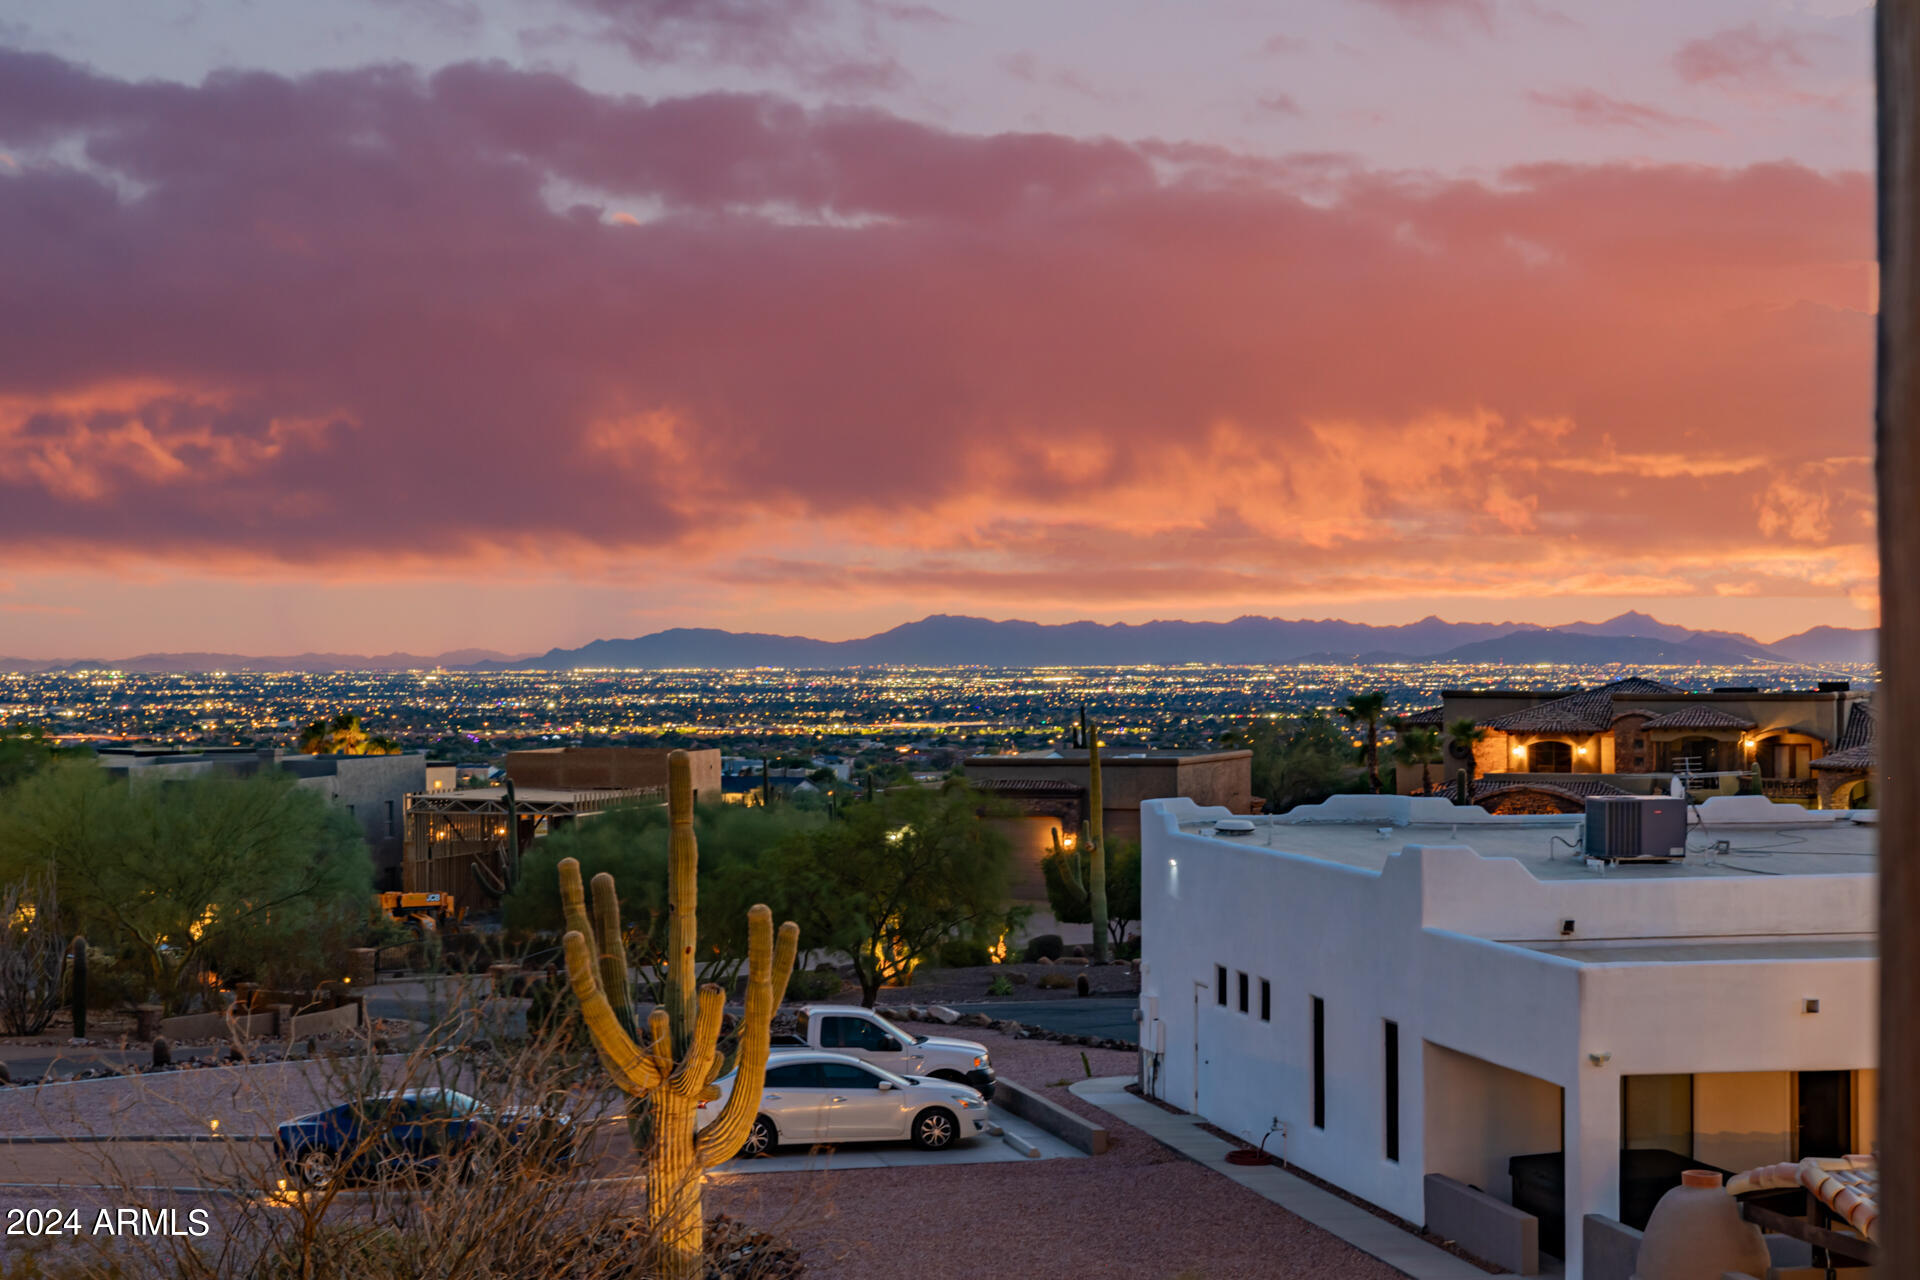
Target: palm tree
[1417,746]
[343,735]
[1470,733]
[1368,708]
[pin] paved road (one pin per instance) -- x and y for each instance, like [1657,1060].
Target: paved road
[1107,1016]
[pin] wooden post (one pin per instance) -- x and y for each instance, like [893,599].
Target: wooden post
[1897,59]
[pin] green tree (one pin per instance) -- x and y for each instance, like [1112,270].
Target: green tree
[1368,709]
[27,750]
[895,876]
[216,872]
[1071,906]
[630,843]
[1297,760]
[1418,747]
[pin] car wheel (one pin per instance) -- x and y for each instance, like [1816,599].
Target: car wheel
[935,1129]
[315,1167]
[761,1139]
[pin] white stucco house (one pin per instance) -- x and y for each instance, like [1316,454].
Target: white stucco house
[1387,987]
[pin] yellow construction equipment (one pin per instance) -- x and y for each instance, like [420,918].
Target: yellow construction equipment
[428,912]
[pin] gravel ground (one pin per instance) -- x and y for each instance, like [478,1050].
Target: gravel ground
[243,1099]
[949,986]
[1139,1210]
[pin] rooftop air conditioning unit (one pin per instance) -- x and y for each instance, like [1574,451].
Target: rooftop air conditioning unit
[1636,828]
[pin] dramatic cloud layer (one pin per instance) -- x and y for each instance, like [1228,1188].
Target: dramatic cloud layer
[370,318]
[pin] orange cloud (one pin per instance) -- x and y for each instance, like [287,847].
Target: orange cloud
[849,355]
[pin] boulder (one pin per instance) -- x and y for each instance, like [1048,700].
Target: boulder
[976,1020]
[942,1014]
[1018,978]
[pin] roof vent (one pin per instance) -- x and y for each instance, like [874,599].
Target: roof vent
[1233,828]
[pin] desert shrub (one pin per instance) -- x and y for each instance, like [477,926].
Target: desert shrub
[814,985]
[1000,986]
[963,953]
[1053,982]
[1046,946]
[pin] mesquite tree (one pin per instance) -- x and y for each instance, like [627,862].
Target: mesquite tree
[675,1071]
[31,953]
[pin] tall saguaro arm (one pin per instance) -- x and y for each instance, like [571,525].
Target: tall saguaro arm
[673,1073]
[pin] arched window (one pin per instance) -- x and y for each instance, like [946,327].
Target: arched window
[1550,757]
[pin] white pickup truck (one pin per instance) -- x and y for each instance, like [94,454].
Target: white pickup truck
[862,1033]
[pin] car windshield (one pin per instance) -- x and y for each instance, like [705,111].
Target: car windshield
[904,1037]
[899,1082]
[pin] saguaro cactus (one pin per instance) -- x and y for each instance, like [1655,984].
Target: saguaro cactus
[675,1071]
[77,988]
[1096,841]
[499,882]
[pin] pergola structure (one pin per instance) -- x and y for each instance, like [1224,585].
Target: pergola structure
[447,832]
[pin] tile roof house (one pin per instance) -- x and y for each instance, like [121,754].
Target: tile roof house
[1845,775]
[1637,735]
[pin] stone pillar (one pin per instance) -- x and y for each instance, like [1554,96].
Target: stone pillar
[500,977]
[282,1020]
[362,967]
[146,1021]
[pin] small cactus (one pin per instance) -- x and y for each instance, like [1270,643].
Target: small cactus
[77,989]
[162,1052]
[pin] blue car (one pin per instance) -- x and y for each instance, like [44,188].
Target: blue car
[416,1129]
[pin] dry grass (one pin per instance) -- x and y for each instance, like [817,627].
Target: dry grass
[504,1207]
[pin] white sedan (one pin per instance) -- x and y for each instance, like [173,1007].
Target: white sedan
[826,1097]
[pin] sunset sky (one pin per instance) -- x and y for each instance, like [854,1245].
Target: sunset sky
[420,324]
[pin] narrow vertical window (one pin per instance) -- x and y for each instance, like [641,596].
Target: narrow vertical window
[1393,1091]
[1319,1063]
[1220,985]
[1266,1001]
[1243,993]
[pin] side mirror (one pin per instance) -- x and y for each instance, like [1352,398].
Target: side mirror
[889,1045]
[885,1085]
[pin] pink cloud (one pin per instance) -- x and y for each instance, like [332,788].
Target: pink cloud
[1435,15]
[1744,57]
[339,319]
[1593,109]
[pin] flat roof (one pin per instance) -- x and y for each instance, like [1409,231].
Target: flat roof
[1546,845]
[1706,950]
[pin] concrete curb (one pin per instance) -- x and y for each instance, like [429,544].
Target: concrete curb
[1021,1145]
[1072,1129]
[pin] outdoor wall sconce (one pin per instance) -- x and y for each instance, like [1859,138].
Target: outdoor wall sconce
[1810,1006]
[1599,1059]
[1566,928]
